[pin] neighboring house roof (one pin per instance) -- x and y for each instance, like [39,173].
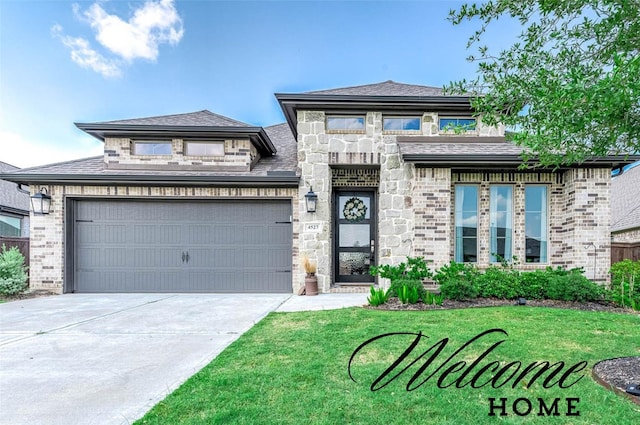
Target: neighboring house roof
[386,88]
[11,200]
[625,200]
[276,170]
[200,123]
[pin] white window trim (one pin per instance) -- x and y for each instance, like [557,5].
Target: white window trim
[346,130]
[151,142]
[209,142]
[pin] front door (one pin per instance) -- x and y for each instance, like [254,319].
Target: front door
[354,236]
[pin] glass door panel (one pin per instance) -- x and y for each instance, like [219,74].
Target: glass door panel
[354,236]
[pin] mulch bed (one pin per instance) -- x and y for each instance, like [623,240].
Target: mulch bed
[395,304]
[615,374]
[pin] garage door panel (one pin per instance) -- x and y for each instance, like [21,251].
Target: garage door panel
[138,246]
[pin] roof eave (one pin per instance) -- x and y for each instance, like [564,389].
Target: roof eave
[505,161]
[257,135]
[156,180]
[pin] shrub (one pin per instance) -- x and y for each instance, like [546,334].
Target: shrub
[499,282]
[533,285]
[625,283]
[411,284]
[378,296]
[414,269]
[433,299]
[456,270]
[573,286]
[408,295]
[458,288]
[13,273]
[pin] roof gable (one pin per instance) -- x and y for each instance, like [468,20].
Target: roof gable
[386,88]
[199,118]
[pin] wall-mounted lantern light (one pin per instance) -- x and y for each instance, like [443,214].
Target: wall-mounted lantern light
[311,199]
[41,202]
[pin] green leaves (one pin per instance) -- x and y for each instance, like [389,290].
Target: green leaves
[569,87]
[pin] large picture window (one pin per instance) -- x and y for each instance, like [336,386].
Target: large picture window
[501,222]
[535,200]
[466,216]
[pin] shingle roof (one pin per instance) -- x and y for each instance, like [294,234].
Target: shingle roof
[444,145]
[625,200]
[386,88]
[199,118]
[9,195]
[280,135]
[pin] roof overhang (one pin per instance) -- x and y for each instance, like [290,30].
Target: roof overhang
[257,135]
[494,161]
[277,180]
[290,103]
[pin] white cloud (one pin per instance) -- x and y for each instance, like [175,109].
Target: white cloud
[85,56]
[21,152]
[154,23]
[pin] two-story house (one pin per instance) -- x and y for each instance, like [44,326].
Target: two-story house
[198,202]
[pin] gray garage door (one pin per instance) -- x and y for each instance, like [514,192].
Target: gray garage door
[165,246]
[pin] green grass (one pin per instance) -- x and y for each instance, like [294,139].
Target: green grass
[291,368]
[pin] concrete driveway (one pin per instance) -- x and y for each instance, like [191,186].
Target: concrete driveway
[107,359]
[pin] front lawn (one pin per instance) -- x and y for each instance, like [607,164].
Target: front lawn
[292,368]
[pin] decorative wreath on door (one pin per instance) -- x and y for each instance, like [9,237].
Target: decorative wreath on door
[354,209]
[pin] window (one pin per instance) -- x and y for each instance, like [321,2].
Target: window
[535,221]
[455,124]
[152,148]
[204,148]
[501,222]
[400,123]
[10,226]
[466,216]
[345,123]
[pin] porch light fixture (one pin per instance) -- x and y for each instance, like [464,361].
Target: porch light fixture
[311,199]
[41,202]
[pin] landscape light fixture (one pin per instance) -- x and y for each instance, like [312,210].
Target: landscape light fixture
[41,202]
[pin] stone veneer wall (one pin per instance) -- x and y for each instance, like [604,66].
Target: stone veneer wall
[239,155]
[47,231]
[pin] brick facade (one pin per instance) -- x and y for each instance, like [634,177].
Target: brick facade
[239,155]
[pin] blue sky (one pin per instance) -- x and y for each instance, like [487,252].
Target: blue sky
[88,61]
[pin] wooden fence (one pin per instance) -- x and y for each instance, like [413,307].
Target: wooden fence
[21,243]
[625,250]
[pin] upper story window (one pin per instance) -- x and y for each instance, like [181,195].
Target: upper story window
[341,122]
[204,148]
[457,124]
[401,123]
[151,148]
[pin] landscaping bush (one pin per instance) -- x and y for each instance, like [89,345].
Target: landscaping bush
[408,295]
[499,282]
[398,284]
[13,273]
[532,285]
[573,286]
[456,270]
[414,269]
[378,296]
[458,289]
[625,283]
